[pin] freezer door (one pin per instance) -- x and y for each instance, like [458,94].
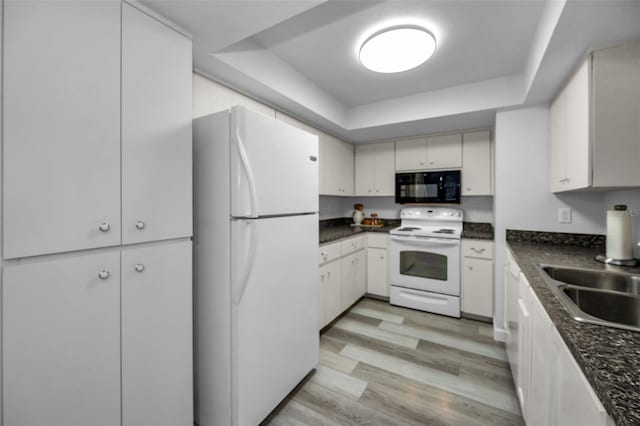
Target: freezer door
[275,340]
[274,166]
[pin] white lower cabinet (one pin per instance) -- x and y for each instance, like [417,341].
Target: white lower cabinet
[157,335]
[61,341]
[477,278]
[354,284]
[94,339]
[377,272]
[330,291]
[551,388]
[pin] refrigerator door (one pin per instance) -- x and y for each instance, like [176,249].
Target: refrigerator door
[274,166]
[275,340]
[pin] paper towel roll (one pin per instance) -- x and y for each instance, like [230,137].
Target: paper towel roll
[619,234]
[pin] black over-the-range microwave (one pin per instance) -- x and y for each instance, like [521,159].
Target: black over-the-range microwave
[428,187]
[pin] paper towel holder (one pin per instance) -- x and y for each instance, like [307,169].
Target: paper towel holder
[618,262]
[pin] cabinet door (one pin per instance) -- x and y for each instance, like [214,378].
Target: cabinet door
[377,281]
[524,346]
[576,403]
[61,341]
[543,355]
[444,151]
[157,346]
[578,150]
[333,174]
[411,154]
[360,280]
[476,163]
[477,287]
[384,169]
[558,127]
[61,143]
[156,130]
[348,281]
[365,166]
[332,290]
[347,168]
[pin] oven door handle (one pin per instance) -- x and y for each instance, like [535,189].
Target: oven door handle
[425,241]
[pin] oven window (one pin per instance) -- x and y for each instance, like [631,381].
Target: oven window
[423,265]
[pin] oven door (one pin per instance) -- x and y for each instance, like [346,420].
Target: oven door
[425,263]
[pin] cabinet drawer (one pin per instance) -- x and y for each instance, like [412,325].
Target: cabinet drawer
[353,244]
[477,248]
[329,252]
[378,240]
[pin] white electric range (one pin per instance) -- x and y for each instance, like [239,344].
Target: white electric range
[424,260]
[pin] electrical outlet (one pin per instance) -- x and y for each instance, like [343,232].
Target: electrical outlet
[564,215]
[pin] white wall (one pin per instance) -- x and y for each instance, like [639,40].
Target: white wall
[523,197]
[476,209]
[630,197]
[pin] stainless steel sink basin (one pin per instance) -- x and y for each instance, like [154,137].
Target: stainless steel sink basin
[602,280]
[599,297]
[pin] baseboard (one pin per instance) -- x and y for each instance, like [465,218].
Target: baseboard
[499,334]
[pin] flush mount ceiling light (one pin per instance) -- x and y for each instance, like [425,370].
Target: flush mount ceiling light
[397,49]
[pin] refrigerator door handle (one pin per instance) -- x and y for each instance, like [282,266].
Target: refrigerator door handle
[244,159]
[251,257]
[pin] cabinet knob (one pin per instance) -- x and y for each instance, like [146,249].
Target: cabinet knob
[377,190]
[468,189]
[104,274]
[431,163]
[328,274]
[421,163]
[104,226]
[140,224]
[470,268]
[369,190]
[321,277]
[478,250]
[139,267]
[381,257]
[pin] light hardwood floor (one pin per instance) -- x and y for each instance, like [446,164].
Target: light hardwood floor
[386,365]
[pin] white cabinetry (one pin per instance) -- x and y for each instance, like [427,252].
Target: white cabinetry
[551,388]
[61,341]
[330,291]
[157,335]
[210,97]
[476,163]
[477,278]
[339,170]
[431,152]
[156,130]
[375,169]
[73,324]
[67,166]
[594,126]
[61,137]
[511,285]
[377,264]
[354,284]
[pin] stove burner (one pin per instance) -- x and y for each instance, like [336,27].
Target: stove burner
[444,231]
[408,229]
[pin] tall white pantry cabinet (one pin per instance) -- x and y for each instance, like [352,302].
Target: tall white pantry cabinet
[97,219]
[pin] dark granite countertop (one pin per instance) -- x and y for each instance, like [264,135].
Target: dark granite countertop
[337,229]
[608,357]
[477,231]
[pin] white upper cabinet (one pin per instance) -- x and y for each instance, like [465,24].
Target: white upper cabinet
[476,163]
[339,167]
[594,123]
[61,183]
[431,152]
[444,152]
[156,130]
[411,154]
[375,173]
[570,152]
[210,97]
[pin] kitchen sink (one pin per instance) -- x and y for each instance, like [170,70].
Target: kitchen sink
[602,280]
[598,297]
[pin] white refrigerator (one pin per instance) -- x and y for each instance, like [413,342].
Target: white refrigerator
[256,271]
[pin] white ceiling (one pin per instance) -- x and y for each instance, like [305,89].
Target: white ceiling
[300,56]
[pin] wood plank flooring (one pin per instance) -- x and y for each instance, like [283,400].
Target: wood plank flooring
[386,365]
